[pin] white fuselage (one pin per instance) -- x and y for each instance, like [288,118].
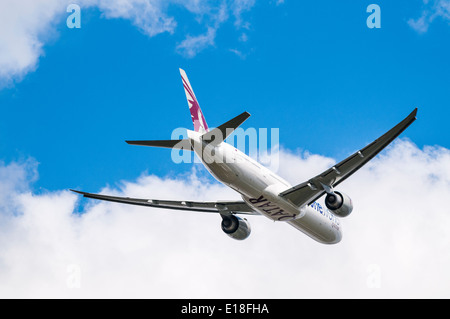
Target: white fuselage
[259,188]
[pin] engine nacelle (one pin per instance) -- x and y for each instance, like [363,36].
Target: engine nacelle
[235,227]
[339,203]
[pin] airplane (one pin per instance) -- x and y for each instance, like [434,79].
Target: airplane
[262,191]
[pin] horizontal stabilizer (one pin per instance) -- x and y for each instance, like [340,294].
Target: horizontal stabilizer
[219,134]
[184,144]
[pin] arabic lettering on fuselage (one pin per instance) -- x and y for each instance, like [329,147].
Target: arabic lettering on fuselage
[270,208]
[278,213]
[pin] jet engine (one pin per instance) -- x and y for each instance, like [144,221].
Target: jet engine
[235,227]
[339,203]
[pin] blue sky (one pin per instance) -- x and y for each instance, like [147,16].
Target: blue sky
[316,72]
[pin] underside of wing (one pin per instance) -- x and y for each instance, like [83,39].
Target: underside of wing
[222,207]
[309,191]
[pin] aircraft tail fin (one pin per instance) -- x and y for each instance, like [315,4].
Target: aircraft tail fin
[196,113]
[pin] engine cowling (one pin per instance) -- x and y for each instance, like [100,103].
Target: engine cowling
[235,227]
[339,203]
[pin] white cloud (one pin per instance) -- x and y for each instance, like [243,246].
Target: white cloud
[394,244]
[420,25]
[148,15]
[432,9]
[24,27]
[239,7]
[15,178]
[27,25]
[238,53]
[192,45]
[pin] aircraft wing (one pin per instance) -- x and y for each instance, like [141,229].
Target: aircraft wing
[309,191]
[223,207]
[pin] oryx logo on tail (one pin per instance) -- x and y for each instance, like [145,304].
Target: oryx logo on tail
[196,113]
